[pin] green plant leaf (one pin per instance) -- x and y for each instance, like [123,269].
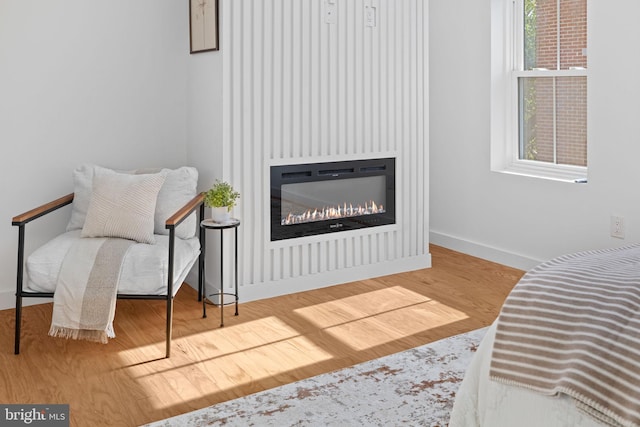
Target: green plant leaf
[221,194]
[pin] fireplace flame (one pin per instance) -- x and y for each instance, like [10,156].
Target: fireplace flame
[332,212]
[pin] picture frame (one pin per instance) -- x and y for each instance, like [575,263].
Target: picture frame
[203,26]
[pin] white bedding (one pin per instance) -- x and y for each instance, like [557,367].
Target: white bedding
[482,402]
[148,275]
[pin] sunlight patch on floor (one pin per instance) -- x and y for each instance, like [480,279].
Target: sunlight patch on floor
[360,306]
[256,332]
[218,341]
[268,349]
[394,325]
[275,350]
[393,313]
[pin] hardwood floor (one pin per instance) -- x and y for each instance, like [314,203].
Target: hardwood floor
[272,342]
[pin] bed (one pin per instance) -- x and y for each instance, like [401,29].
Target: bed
[565,349]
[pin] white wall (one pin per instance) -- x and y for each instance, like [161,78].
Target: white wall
[518,220]
[204,140]
[204,116]
[298,89]
[100,81]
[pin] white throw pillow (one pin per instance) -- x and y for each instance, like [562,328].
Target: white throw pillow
[123,205]
[82,188]
[179,187]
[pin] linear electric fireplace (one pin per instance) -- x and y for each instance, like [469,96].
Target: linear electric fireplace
[318,198]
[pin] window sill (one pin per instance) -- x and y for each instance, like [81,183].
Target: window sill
[563,173]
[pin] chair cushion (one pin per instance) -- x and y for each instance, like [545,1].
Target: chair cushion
[180,186]
[144,269]
[123,205]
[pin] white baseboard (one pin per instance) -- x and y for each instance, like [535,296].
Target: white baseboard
[293,285]
[483,251]
[8,300]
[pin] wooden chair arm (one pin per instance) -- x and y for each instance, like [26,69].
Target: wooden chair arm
[175,219]
[42,210]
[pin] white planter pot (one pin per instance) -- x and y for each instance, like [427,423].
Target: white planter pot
[220,214]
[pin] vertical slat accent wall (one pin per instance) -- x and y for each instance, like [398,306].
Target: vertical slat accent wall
[298,89]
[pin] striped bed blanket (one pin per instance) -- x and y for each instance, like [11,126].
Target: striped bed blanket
[84,302]
[572,326]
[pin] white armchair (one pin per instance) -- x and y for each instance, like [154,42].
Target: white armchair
[132,235]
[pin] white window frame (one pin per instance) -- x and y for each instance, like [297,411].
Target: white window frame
[506,68]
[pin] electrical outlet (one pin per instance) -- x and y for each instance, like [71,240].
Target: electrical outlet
[617,226]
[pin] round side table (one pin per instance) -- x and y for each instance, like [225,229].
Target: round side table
[209,224]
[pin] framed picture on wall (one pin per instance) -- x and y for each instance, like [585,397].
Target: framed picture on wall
[203,25]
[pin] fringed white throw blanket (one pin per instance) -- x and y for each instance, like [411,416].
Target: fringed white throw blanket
[84,302]
[572,326]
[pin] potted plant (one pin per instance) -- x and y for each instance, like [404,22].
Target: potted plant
[221,198]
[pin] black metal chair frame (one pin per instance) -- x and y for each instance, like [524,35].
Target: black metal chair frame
[197,203]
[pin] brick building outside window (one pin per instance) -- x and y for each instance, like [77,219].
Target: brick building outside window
[552,82]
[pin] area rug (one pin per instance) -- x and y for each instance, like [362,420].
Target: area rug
[415,387]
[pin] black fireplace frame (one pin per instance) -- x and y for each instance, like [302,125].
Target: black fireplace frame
[328,171]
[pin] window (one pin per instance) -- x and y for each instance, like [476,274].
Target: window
[539,87]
